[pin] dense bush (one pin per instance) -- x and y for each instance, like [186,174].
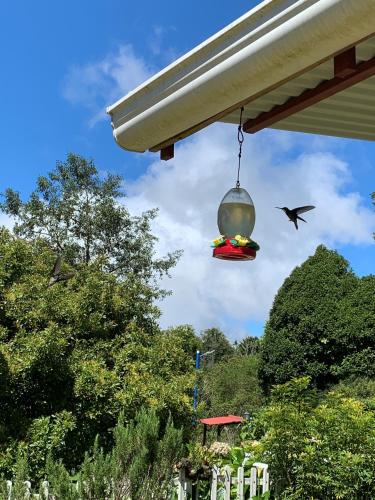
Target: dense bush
[140,465]
[321,324]
[360,388]
[77,352]
[231,387]
[317,446]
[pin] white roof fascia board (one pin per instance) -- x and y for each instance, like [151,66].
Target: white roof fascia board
[207,52]
[269,45]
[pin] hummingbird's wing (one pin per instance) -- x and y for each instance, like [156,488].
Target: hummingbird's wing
[301,210]
[57,266]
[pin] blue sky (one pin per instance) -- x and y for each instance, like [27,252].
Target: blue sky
[41,40]
[62,62]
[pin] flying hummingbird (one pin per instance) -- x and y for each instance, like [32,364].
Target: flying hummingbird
[293,214]
[57,275]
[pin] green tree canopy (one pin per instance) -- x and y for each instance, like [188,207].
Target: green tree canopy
[232,387]
[75,354]
[249,346]
[215,339]
[81,216]
[191,342]
[316,448]
[321,324]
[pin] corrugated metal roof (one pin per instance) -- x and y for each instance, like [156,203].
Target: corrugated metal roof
[350,113]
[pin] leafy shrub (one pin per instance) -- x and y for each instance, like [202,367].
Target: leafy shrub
[139,466]
[321,324]
[321,449]
[232,386]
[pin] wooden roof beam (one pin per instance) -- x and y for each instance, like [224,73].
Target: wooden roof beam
[344,64]
[167,153]
[347,74]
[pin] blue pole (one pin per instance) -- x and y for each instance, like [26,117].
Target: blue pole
[197,366]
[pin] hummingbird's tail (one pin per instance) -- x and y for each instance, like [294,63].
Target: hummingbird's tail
[295,223]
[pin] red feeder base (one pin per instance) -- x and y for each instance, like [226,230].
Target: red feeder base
[230,252]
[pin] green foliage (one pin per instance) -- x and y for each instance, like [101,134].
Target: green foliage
[360,388]
[95,474]
[322,449]
[232,387]
[139,466]
[81,216]
[186,337]
[249,346]
[45,437]
[215,339]
[355,332]
[21,474]
[73,355]
[135,449]
[59,481]
[3,488]
[321,324]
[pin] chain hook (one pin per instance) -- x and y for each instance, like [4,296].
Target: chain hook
[240,138]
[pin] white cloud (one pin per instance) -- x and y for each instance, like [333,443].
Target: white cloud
[98,84]
[188,190]
[157,46]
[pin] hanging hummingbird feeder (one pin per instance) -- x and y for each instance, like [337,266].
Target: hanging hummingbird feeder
[236,220]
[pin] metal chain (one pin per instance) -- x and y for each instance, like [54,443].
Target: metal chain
[240,139]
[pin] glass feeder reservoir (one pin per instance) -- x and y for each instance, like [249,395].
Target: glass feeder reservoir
[236,215]
[236,220]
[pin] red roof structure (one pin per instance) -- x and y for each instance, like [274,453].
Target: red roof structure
[219,421]
[228,419]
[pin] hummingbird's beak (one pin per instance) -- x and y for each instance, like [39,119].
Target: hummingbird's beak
[279,208]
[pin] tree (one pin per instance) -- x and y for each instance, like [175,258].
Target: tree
[80,216]
[355,332]
[316,448]
[232,387]
[75,354]
[215,339]
[190,341]
[249,346]
[321,324]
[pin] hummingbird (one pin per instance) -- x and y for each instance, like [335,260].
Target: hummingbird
[56,274]
[293,214]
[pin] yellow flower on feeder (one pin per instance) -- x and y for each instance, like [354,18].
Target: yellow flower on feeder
[241,240]
[219,241]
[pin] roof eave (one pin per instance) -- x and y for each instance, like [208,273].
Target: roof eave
[244,60]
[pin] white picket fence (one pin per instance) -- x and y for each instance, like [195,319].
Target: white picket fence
[28,493]
[221,481]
